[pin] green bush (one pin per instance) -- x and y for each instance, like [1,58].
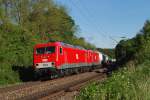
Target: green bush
[15,50]
[130,83]
[7,75]
[137,48]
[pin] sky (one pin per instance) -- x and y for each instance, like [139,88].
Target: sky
[104,22]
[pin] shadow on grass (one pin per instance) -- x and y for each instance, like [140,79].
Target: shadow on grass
[25,73]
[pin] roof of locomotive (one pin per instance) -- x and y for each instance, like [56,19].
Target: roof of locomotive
[58,44]
[46,44]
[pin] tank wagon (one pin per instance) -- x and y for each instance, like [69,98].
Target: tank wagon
[61,58]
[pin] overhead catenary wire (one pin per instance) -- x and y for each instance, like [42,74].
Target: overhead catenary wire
[90,19]
[89,15]
[84,16]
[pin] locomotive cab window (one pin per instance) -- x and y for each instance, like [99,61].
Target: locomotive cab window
[50,50]
[61,50]
[40,50]
[45,50]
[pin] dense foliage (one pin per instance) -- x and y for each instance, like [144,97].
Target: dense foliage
[129,83]
[132,82]
[24,23]
[137,48]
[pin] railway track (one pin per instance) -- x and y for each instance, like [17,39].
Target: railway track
[70,92]
[18,86]
[43,90]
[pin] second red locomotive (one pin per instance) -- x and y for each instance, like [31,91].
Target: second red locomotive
[62,58]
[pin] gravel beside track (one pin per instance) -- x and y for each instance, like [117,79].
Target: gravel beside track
[72,91]
[42,89]
[18,86]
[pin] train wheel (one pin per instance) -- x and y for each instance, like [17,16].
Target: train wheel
[90,69]
[61,73]
[66,71]
[36,75]
[80,70]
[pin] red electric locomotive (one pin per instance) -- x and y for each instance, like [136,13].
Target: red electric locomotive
[62,58]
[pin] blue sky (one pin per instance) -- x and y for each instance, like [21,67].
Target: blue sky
[104,22]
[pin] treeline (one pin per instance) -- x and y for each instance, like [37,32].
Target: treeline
[24,23]
[107,51]
[136,49]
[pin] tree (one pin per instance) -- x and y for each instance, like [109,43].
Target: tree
[137,48]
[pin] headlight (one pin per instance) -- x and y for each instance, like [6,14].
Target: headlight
[53,63]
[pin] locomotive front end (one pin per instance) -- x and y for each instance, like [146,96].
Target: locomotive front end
[44,58]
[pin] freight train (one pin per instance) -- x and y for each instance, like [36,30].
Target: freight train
[63,59]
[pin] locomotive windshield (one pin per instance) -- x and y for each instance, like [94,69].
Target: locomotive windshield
[45,50]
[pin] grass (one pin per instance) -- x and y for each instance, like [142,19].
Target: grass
[129,83]
[8,76]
